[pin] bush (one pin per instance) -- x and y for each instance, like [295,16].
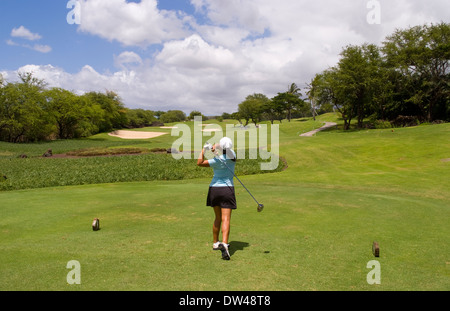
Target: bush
[405,121]
[381,124]
[173,116]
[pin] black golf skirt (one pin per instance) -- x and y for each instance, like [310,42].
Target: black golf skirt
[221,196]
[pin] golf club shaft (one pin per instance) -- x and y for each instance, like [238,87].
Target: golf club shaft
[237,178]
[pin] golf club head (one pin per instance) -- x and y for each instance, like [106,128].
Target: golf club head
[260,207]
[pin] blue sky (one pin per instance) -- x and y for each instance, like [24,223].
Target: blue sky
[71,49]
[205,55]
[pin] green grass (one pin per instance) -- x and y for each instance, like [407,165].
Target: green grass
[47,172]
[341,192]
[140,163]
[10,150]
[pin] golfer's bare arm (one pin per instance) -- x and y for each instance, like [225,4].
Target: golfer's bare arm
[201,160]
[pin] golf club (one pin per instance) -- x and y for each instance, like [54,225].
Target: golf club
[260,206]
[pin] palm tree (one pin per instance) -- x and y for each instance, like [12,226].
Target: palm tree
[293,98]
[312,98]
[294,90]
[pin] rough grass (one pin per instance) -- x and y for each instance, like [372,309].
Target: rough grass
[48,172]
[92,152]
[103,159]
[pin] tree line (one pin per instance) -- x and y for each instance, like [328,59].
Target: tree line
[30,112]
[405,81]
[285,105]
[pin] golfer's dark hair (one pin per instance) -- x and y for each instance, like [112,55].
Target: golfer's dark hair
[229,154]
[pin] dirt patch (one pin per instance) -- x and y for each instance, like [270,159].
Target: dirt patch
[72,156]
[106,152]
[112,152]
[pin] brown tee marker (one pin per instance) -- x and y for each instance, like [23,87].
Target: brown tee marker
[376,249]
[96,224]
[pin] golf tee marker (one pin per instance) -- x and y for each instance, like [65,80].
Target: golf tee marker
[96,224]
[376,249]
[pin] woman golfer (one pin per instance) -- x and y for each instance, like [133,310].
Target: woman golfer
[221,194]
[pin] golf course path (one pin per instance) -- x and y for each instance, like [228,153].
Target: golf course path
[327,125]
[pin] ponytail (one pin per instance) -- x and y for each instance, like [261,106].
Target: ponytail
[228,153]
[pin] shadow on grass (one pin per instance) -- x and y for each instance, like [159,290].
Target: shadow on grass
[237,246]
[302,120]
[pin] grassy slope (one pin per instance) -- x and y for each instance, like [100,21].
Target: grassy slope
[341,192]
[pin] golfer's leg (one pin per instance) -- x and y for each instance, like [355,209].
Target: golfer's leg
[226,218]
[217,222]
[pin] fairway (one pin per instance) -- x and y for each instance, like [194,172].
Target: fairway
[341,191]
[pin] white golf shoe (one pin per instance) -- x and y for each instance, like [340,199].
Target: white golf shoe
[224,248]
[216,246]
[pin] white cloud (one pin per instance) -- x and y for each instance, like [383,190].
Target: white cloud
[35,47]
[238,13]
[194,53]
[130,23]
[24,33]
[244,47]
[11,42]
[126,59]
[230,37]
[42,48]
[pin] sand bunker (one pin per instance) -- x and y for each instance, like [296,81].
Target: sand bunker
[135,135]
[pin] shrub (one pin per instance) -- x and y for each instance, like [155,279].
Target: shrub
[381,124]
[405,121]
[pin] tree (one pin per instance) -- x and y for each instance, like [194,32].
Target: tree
[294,90]
[137,118]
[352,85]
[28,79]
[358,70]
[329,89]
[236,116]
[299,104]
[421,55]
[226,115]
[245,110]
[173,116]
[312,88]
[195,113]
[269,111]
[252,107]
[286,102]
[409,75]
[23,114]
[93,116]
[114,112]
[66,111]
